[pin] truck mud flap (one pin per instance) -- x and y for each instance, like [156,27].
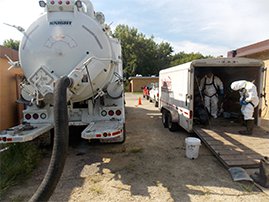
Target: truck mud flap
[24,133]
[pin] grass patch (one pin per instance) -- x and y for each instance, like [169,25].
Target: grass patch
[17,162]
[97,190]
[135,150]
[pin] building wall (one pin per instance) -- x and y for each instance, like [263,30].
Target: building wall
[9,81]
[136,83]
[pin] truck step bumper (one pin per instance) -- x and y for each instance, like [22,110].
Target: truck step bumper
[103,130]
[23,133]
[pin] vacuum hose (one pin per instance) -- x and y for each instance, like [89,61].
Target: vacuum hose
[60,145]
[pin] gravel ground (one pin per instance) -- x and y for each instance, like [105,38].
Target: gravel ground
[150,166]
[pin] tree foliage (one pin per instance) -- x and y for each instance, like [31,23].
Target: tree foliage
[142,55]
[180,58]
[10,43]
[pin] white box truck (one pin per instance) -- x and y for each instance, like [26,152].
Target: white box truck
[179,96]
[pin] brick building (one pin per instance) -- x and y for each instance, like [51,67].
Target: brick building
[260,51]
[10,111]
[136,83]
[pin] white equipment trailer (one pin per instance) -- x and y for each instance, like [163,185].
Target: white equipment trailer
[71,39]
[179,95]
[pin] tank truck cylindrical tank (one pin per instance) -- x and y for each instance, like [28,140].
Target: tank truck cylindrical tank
[71,39]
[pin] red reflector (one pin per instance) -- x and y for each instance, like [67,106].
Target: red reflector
[157,94]
[108,134]
[118,112]
[28,116]
[98,135]
[9,139]
[111,113]
[117,132]
[35,116]
[0,139]
[190,114]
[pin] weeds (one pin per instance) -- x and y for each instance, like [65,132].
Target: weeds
[135,150]
[17,162]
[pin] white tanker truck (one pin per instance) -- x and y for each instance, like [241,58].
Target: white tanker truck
[71,39]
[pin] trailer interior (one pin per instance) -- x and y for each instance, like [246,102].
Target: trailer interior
[230,103]
[221,135]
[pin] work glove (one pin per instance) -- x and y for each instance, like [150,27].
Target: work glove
[243,102]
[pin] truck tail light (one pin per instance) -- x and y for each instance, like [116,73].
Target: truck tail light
[28,116]
[118,112]
[43,116]
[35,116]
[103,113]
[111,113]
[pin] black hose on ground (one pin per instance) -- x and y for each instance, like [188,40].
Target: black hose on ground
[60,145]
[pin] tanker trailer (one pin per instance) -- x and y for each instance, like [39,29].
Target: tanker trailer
[71,39]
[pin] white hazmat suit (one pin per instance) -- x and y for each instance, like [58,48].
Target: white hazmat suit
[209,86]
[249,97]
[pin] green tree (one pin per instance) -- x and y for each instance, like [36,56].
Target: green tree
[142,55]
[182,57]
[10,43]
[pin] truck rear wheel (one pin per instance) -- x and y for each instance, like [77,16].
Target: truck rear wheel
[164,119]
[171,125]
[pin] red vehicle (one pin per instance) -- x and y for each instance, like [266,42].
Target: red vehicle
[146,90]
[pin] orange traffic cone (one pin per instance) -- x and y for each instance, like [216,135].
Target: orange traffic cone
[139,101]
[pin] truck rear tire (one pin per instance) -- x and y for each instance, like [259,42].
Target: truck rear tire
[171,125]
[164,119]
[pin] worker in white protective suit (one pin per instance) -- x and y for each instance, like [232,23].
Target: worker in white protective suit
[249,100]
[212,89]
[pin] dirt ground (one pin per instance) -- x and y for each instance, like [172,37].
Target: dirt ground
[150,166]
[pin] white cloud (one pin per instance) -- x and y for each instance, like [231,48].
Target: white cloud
[206,26]
[204,49]
[192,47]
[19,13]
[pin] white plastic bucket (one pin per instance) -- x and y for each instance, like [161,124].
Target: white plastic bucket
[192,147]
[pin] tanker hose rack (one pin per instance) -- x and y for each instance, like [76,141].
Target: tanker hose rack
[60,143]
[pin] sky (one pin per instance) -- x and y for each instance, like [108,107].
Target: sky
[210,27]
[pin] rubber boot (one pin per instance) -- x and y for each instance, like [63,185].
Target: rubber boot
[262,178]
[242,121]
[250,126]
